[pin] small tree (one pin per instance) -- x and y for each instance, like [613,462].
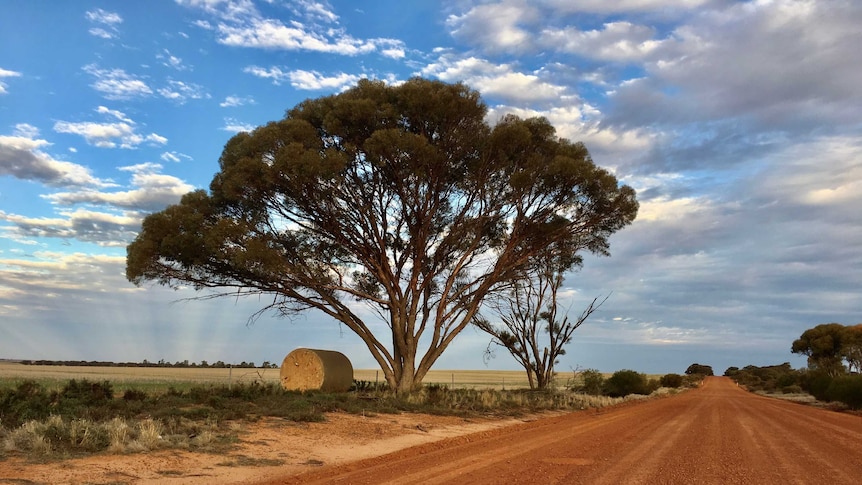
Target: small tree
[851,348]
[531,328]
[699,369]
[824,346]
[593,382]
[671,380]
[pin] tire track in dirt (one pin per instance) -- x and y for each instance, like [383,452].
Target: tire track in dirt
[713,435]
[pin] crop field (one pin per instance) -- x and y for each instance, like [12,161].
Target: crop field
[155,378]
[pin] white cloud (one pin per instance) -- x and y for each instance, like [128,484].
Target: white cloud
[116,114]
[103,229]
[313,80]
[49,271]
[117,84]
[579,121]
[273,34]
[494,80]
[497,27]
[6,73]
[150,191]
[760,61]
[22,158]
[233,101]
[181,92]
[274,73]
[623,6]
[242,25]
[108,20]
[175,157]
[315,11]
[100,32]
[172,61]
[233,10]
[122,133]
[618,41]
[26,130]
[235,126]
[104,17]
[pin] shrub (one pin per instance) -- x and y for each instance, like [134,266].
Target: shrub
[625,382]
[593,382]
[671,380]
[817,384]
[846,389]
[134,395]
[699,369]
[88,392]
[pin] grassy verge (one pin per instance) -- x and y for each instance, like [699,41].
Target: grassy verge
[83,417]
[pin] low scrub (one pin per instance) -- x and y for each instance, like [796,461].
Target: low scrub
[846,389]
[85,417]
[625,382]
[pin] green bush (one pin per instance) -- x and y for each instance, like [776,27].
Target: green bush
[699,369]
[625,382]
[846,389]
[671,380]
[88,392]
[594,382]
[817,384]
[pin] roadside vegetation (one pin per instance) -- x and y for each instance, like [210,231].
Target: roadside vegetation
[832,377]
[84,417]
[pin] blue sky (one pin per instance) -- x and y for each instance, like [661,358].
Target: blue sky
[738,123]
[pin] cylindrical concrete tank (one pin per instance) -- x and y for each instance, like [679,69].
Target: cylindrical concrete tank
[312,369]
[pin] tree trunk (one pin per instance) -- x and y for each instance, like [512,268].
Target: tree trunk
[407,381]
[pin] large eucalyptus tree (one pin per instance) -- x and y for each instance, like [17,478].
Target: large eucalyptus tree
[398,199]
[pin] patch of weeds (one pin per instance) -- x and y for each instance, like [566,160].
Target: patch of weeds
[313,462]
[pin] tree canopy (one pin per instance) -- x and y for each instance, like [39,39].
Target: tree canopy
[399,202]
[699,369]
[828,345]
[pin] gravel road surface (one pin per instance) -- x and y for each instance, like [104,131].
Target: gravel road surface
[717,434]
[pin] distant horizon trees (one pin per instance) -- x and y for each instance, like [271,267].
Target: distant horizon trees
[833,374]
[699,369]
[146,363]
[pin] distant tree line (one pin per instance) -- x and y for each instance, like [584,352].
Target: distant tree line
[834,363]
[146,363]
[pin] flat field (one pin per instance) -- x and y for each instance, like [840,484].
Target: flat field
[153,378]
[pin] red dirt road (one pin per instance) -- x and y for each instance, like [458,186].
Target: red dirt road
[716,434]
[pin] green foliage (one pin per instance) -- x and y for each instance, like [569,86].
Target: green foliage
[829,345]
[305,209]
[625,382]
[771,378]
[846,389]
[699,369]
[671,380]
[87,392]
[198,418]
[817,384]
[593,382]
[731,371]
